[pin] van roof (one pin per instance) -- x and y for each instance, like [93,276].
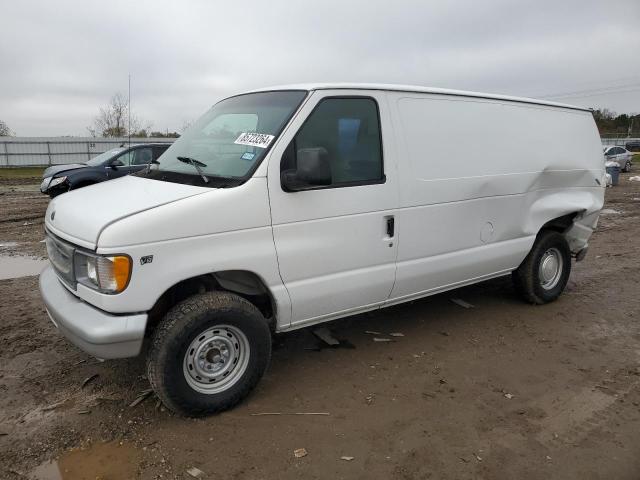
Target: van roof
[414,88]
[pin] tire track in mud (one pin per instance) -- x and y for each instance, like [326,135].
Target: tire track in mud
[584,413]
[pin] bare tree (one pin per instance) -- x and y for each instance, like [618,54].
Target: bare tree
[113,120]
[186,124]
[5,131]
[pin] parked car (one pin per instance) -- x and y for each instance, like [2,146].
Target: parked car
[112,164]
[633,146]
[284,208]
[620,155]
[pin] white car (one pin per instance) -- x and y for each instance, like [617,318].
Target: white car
[620,155]
[288,207]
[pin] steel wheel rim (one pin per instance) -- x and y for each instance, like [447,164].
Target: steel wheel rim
[216,359]
[550,268]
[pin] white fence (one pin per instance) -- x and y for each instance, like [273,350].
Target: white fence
[43,151]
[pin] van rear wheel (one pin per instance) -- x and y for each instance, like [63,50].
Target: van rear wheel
[208,353]
[544,273]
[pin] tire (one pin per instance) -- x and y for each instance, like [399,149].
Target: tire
[181,352]
[540,285]
[627,167]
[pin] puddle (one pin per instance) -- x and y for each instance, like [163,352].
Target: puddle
[20,266]
[101,460]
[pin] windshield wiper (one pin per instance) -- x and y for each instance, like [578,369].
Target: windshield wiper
[196,164]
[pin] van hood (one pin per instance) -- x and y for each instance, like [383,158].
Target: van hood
[80,215]
[51,171]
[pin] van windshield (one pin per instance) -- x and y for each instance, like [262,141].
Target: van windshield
[232,137]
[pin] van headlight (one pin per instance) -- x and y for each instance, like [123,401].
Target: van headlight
[107,274]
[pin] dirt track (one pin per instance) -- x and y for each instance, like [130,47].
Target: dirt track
[501,390]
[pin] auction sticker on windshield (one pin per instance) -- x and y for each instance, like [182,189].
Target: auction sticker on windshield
[261,140]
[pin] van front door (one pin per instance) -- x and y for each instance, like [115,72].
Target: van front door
[335,235]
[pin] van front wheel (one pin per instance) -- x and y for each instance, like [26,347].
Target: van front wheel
[544,273]
[208,353]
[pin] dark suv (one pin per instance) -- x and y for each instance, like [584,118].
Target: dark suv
[633,146]
[106,166]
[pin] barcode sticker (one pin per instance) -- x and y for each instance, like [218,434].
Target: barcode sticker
[261,140]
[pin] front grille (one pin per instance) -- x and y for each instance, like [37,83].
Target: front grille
[61,258]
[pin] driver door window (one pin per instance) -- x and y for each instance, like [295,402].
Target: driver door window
[347,131]
[142,156]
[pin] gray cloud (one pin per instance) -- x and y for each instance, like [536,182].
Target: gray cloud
[62,60]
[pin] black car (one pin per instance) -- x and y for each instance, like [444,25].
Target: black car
[633,146]
[112,164]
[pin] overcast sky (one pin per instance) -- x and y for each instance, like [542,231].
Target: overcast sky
[61,60]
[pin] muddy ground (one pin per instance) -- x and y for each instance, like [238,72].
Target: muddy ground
[500,390]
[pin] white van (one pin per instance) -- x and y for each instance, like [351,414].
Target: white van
[287,207]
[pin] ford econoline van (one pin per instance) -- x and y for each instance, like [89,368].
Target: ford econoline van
[288,207]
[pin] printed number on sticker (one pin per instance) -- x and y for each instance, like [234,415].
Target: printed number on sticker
[261,140]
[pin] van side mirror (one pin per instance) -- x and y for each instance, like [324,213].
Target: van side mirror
[313,169]
[116,163]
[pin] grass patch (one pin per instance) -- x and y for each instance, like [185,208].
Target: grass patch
[21,172]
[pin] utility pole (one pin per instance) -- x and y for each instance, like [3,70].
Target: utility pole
[129,113]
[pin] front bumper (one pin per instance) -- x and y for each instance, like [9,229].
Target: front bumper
[98,333]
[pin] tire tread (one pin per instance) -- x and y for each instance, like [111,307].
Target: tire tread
[525,276]
[165,340]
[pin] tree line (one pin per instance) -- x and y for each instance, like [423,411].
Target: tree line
[115,120]
[5,131]
[611,124]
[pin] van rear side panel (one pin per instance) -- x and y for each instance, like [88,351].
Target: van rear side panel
[480,178]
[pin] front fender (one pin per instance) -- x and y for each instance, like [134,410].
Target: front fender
[86,178]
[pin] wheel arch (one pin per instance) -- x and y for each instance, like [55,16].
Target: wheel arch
[560,224]
[572,212]
[244,283]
